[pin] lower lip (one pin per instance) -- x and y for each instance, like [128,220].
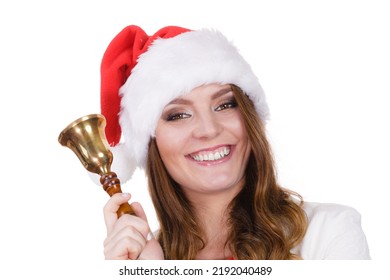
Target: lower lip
[214,162]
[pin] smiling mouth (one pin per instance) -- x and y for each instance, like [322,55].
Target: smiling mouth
[211,155]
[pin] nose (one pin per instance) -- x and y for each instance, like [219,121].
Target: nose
[207,125]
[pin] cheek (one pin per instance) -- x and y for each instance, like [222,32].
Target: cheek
[237,126]
[169,142]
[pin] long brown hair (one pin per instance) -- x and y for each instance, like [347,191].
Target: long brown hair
[264,223]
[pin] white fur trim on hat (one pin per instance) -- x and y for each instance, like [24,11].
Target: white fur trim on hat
[172,67]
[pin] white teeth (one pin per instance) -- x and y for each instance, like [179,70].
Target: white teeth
[212,156]
[226,151]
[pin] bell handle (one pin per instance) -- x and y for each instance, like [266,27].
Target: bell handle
[111,185]
[125,208]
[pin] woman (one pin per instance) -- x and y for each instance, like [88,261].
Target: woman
[192,113]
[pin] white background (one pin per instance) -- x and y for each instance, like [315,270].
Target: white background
[324,65]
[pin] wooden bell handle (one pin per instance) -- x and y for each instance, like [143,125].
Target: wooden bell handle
[111,185]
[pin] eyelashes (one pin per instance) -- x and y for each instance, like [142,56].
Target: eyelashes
[180,115]
[177,116]
[227,105]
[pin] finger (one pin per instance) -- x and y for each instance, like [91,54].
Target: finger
[111,207]
[130,222]
[128,242]
[124,248]
[139,212]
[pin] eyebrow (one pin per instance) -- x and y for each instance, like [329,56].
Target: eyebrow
[215,95]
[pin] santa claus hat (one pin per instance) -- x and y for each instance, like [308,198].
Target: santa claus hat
[141,74]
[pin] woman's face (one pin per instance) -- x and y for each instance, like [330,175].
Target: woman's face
[203,142]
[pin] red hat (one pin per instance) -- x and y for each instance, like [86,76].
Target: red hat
[141,74]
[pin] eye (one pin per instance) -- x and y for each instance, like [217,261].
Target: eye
[227,105]
[177,116]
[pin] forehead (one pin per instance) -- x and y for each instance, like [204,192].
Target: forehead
[213,91]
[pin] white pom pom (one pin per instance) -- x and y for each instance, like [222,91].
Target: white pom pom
[124,164]
[95,178]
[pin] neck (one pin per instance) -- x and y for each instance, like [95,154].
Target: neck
[213,205]
[212,212]
[211,209]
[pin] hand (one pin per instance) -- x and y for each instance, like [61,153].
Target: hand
[129,237]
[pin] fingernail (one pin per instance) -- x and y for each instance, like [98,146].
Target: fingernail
[150,236]
[125,194]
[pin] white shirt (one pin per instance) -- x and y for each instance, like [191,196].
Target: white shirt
[334,233]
